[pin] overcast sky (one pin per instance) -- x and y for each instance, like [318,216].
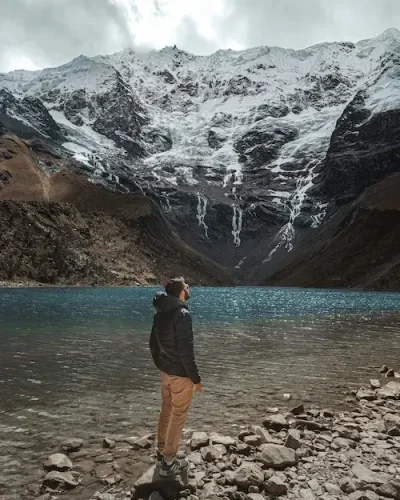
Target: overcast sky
[41,33]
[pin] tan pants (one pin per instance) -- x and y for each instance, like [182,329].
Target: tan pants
[177,396]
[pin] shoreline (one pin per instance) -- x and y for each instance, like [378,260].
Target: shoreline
[301,453]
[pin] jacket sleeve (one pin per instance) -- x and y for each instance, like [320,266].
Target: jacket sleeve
[154,348]
[184,339]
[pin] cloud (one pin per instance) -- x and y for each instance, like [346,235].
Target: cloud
[39,33]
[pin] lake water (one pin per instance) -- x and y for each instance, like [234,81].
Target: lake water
[76,363]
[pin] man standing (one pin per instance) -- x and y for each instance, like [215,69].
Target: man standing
[171,345]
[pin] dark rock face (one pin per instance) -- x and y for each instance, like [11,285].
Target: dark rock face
[363,150]
[15,114]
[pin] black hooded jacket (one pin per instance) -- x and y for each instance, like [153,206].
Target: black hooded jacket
[171,339]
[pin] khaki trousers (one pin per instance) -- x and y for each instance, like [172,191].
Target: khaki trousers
[177,396]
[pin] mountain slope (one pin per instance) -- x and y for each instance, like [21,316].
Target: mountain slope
[246,153]
[62,229]
[357,248]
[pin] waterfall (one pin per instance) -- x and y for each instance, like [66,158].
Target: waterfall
[202,211]
[237,221]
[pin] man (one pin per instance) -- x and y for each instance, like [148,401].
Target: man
[171,345]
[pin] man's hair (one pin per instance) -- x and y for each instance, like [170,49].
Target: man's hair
[175,286]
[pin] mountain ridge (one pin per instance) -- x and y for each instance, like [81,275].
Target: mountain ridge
[245,152]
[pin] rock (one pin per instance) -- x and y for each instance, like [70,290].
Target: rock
[213,452]
[389,490]
[333,489]
[103,470]
[219,439]
[302,453]
[254,489]
[56,479]
[102,459]
[327,414]
[275,486]
[243,449]
[255,496]
[390,391]
[287,396]
[57,461]
[365,393]
[307,494]
[195,458]
[108,443]
[384,369]
[71,445]
[390,373]
[293,439]
[311,426]
[210,490]
[298,410]
[363,495]
[199,440]
[85,467]
[144,442]
[248,474]
[253,440]
[314,485]
[348,485]
[347,433]
[276,422]
[375,384]
[365,475]
[277,457]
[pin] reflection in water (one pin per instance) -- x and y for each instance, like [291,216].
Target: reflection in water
[75,362]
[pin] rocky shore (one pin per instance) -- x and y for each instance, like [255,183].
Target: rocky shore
[305,454]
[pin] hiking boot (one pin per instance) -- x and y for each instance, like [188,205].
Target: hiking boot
[176,467]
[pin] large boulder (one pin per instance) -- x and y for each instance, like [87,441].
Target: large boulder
[366,476]
[276,487]
[199,440]
[57,461]
[277,457]
[390,391]
[213,453]
[56,480]
[248,474]
[276,422]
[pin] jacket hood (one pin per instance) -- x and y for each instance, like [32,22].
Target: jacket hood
[166,303]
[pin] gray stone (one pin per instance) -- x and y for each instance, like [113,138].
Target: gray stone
[210,490]
[293,439]
[195,458]
[276,422]
[213,452]
[254,496]
[314,485]
[390,373]
[56,479]
[390,391]
[374,383]
[57,461]
[277,457]
[108,443]
[275,486]
[348,485]
[71,445]
[104,458]
[307,494]
[243,449]
[103,470]
[199,440]
[298,410]
[248,474]
[389,490]
[85,467]
[253,440]
[219,439]
[144,442]
[366,476]
[254,489]
[363,495]
[333,489]
[384,369]
[365,393]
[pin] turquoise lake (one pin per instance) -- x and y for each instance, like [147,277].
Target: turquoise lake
[75,362]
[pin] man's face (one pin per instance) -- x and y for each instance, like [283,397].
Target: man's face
[187,292]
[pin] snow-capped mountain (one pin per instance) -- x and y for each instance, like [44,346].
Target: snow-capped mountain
[246,152]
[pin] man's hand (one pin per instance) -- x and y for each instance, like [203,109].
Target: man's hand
[198,387]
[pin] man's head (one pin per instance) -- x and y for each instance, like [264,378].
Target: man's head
[178,288]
